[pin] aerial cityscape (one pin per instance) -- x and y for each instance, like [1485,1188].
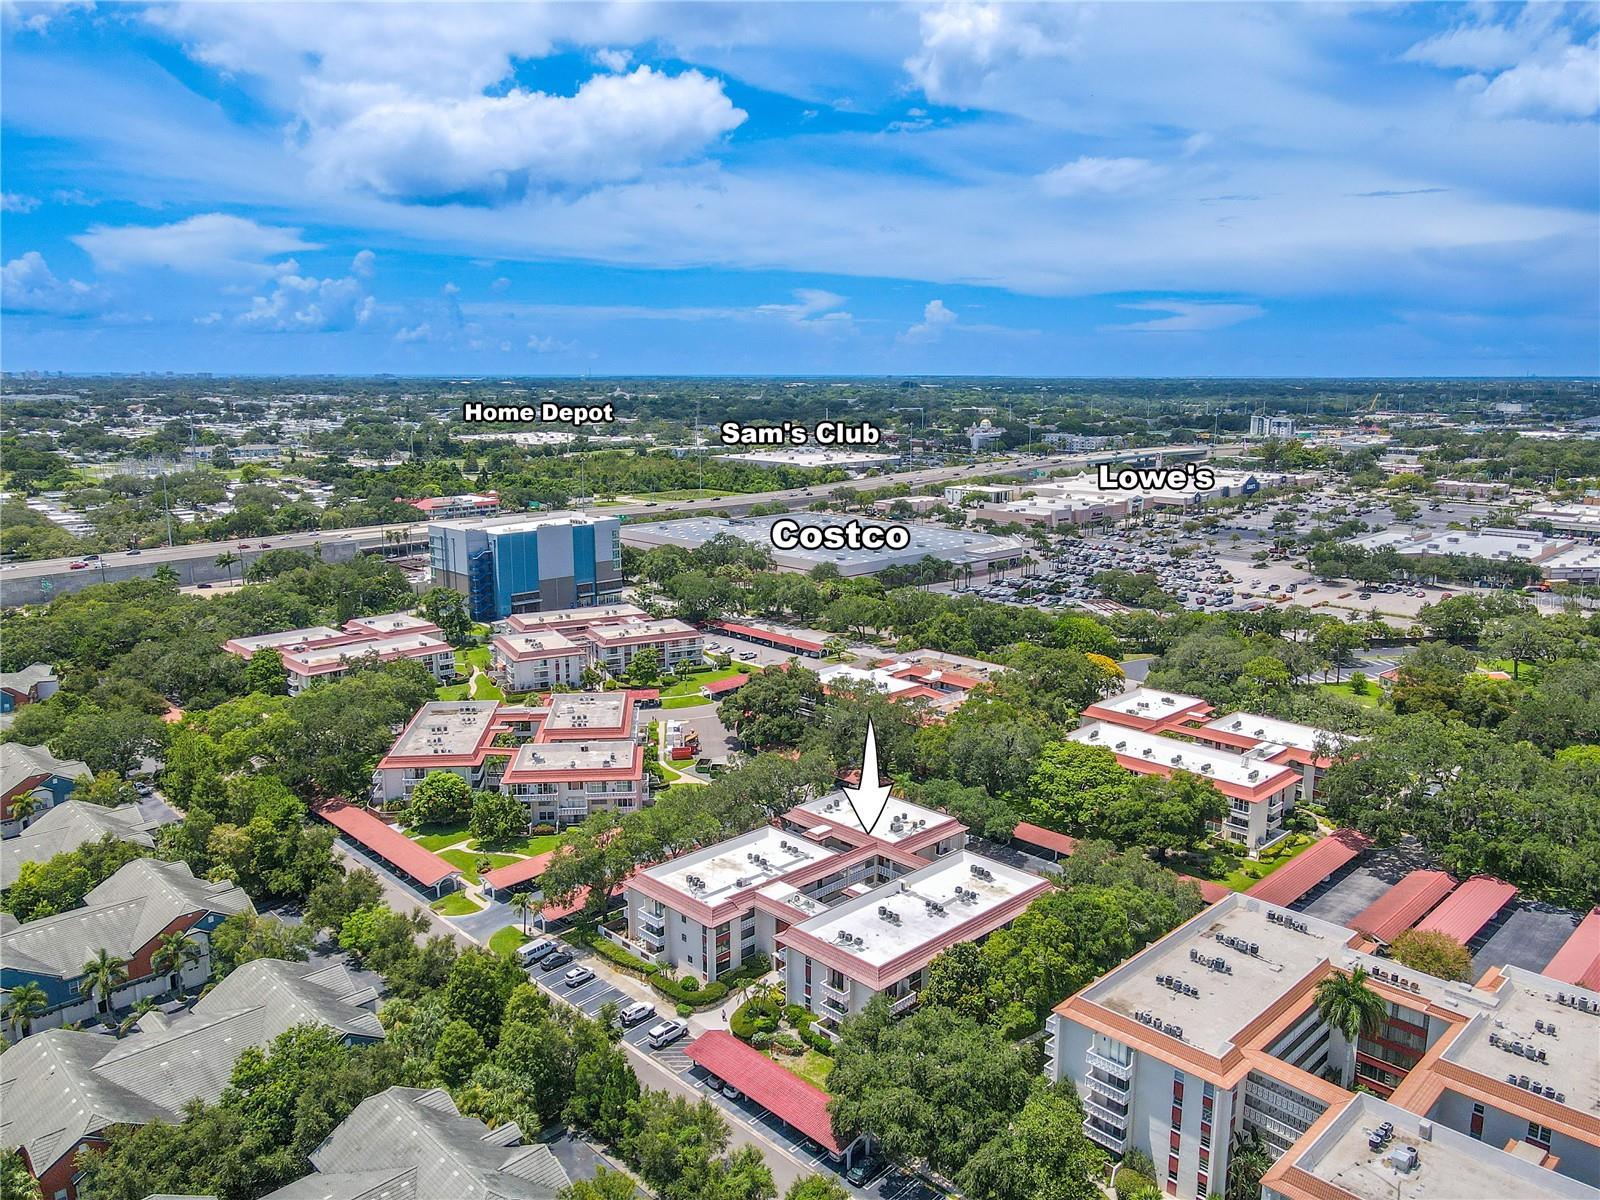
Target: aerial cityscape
[841,601]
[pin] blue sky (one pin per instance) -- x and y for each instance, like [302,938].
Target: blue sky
[1134,189]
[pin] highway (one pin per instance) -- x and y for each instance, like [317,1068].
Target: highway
[38,581]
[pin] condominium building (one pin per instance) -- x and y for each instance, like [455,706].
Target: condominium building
[319,654]
[453,508]
[879,943]
[1214,1030]
[526,662]
[675,643]
[574,754]
[33,781]
[1265,766]
[553,561]
[27,686]
[1263,426]
[66,827]
[572,620]
[938,687]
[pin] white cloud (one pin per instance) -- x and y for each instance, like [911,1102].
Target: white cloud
[1188,316]
[364,263]
[415,333]
[613,60]
[963,44]
[500,284]
[1566,85]
[15,202]
[301,304]
[549,345]
[499,147]
[936,318]
[209,244]
[1087,176]
[211,318]
[27,285]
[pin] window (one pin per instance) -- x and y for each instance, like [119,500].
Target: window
[1539,1135]
[1200,1187]
[1172,1169]
[1477,1122]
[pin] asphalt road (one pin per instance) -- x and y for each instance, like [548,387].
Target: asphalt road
[197,561]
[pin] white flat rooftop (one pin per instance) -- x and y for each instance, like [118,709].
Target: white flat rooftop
[1248,770]
[549,642]
[1450,1165]
[1227,1000]
[445,727]
[289,637]
[411,645]
[559,757]
[921,909]
[1572,1053]
[584,710]
[740,864]
[623,631]
[395,622]
[901,819]
[599,615]
[1284,733]
[1149,703]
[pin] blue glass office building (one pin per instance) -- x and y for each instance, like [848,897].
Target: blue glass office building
[534,564]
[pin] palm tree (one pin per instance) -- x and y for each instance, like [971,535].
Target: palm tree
[142,1006]
[167,575]
[25,1002]
[102,975]
[176,952]
[226,559]
[1350,1006]
[25,805]
[522,902]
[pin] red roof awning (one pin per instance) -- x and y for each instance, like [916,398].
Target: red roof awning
[387,842]
[781,640]
[1209,892]
[1038,835]
[780,1092]
[1580,955]
[1472,906]
[722,686]
[1403,905]
[518,872]
[1298,876]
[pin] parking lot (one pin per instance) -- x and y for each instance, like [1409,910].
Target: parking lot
[1527,935]
[592,996]
[1351,893]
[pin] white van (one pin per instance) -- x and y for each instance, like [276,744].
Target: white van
[534,950]
[667,1032]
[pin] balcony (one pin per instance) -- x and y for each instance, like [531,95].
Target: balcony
[654,925]
[842,991]
[900,1004]
[1115,1114]
[1111,1089]
[835,1007]
[1117,1070]
[1113,1141]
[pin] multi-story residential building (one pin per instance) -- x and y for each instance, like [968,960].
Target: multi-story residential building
[1260,793]
[1249,757]
[1340,1158]
[571,621]
[66,827]
[63,1088]
[455,508]
[907,828]
[32,772]
[526,662]
[942,689]
[676,643]
[881,942]
[319,654]
[575,754]
[1263,426]
[1214,1029]
[127,915]
[552,561]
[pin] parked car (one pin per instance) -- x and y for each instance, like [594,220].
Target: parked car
[577,977]
[636,1013]
[535,950]
[865,1171]
[731,1092]
[560,958]
[665,1033]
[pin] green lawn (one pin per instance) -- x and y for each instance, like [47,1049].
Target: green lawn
[1370,700]
[811,1066]
[467,861]
[685,494]
[685,702]
[437,837]
[506,940]
[1234,871]
[692,685]
[456,904]
[477,656]
[487,689]
[451,691]
[530,846]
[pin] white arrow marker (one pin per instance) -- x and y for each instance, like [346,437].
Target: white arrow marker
[872,796]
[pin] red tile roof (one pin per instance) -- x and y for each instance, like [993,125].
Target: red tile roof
[722,687]
[518,872]
[1403,905]
[1472,906]
[781,640]
[1048,838]
[387,842]
[1209,892]
[1579,957]
[780,1092]
[1302,873]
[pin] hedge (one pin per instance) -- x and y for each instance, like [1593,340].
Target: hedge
[613,953]
[692,992]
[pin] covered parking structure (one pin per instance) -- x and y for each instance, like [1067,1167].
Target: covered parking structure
[1403,905]
[501,883]
[798,1104]
[1470,908]
[1578,960]
[425,869]
[1311,868]
[771,638]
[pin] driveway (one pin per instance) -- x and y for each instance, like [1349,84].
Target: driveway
[717,742]
[488,921]
[398,895]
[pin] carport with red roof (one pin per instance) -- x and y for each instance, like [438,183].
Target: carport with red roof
[801,1105]
[1311,867]
[383,841]
[1472,906]
[1578,960]
[1403,905]
[502,882]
